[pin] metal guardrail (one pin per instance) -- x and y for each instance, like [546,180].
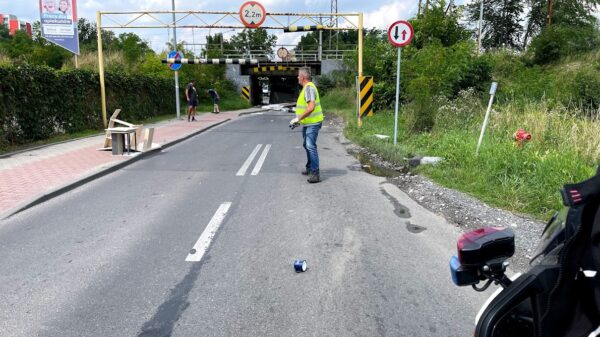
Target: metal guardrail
[294,54]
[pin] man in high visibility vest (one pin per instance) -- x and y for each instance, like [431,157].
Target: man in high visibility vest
[309,115]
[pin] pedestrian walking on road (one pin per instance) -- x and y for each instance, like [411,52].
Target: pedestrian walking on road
[309,115]
[192,98]
[215,96]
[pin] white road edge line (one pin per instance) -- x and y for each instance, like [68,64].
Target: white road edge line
[206,237]
[248,161]
[261,160]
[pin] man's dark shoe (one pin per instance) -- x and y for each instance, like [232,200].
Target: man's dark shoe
[314,178]
[305,172]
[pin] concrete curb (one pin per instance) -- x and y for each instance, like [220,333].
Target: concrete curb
[45,196]
[250,112]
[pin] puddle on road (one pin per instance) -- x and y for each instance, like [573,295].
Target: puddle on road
[370,167]
[416,229]
[399,209]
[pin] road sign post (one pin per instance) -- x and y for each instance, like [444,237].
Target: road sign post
[400,34]
[175,67]
[493,89]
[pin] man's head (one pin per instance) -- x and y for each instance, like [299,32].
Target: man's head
[193,81]
[304,76]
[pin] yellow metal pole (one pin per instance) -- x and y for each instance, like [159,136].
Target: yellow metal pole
[360,44]
[360,66]
[101,68]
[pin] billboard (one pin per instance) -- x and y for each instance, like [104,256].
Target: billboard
[58,22]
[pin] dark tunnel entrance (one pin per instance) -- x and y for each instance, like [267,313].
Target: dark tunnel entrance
[276,83]
[274,89]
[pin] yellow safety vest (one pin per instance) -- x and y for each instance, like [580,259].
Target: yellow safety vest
[317,115]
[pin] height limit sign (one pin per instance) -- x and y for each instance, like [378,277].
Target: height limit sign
[400,34]
[252,14]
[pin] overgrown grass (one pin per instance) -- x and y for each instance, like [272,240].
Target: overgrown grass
[227,103]
[527,180]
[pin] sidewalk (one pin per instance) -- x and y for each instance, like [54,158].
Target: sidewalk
[32,176]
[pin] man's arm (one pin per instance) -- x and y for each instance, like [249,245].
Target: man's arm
[309,109]
[187,94]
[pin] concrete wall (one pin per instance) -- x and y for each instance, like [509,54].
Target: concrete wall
[233,72]
[328,66]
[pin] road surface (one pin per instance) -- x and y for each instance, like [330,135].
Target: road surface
[119,256]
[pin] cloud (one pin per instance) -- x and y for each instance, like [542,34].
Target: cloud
[388,14]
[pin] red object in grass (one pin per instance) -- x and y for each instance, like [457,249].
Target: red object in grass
[522,136]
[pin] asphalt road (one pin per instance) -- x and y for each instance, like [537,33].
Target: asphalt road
[109,258]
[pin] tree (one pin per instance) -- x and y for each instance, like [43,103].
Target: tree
[216,46]
[571,28]
[250,40]
[501,22]
[20,46]
[343,40]
[88,37]
[50,55]
[437,26]
[536,19]
[133,47]
[4,34]
[578,13]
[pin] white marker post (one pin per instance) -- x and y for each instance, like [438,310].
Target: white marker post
[400,34]
[487,115]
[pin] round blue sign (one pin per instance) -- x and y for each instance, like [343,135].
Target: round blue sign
[175,55]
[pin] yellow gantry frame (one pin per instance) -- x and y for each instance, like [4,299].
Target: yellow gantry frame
[149,19]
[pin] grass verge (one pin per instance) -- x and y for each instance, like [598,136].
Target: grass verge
[521,179]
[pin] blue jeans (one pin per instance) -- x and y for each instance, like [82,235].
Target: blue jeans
[310,134]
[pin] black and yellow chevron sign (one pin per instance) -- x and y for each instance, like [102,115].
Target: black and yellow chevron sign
[365,96]
[246,93]
[270,69]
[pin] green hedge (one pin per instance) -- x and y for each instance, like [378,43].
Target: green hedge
[37,102]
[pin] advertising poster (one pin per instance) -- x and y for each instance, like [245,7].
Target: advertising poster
[58,20]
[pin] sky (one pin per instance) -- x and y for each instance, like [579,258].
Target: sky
[377,13]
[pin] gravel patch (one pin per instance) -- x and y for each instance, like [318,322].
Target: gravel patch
[459,209]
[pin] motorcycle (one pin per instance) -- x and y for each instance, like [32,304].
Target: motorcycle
[559,296]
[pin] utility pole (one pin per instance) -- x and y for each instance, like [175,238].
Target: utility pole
[549,16]
[334,9]
[450,7]
[176,73]
[480,28]
[419,10]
